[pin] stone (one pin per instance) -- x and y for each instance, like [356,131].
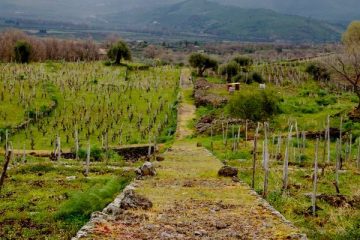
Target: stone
[160,158]
[220,225]
[133,200]
[71,178]
[147,169]
[227,171]
[235,179]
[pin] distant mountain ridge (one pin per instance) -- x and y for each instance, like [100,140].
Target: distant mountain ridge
[206,18]
[229,22]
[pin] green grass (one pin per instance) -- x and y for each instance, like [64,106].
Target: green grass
[38,200]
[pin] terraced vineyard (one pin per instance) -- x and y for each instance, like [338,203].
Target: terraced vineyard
[103,104]
[63,106]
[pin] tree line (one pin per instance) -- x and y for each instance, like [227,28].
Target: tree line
[17,46]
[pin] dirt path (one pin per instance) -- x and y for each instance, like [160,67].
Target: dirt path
[191,202]
[186,109]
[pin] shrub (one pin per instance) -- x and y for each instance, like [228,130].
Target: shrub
[325,101]
[318,72]
[96,154]
[257,106]
[22,52]
[256,77]
[80,205]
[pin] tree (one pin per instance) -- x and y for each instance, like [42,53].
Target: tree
[22,51]
[346,65]
[318,72]
[202,62]
[118,52]
[230,70]
[243,61]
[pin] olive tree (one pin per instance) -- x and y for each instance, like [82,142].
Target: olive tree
[230,70]
[118,52]
[22,51]
[202,62]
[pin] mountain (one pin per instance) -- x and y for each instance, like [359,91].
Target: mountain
[205,18]
[336,11]
[211,19]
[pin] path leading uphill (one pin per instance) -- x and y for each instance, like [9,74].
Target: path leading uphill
[191,202]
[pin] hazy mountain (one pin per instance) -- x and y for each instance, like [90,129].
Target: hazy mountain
[249,20]
[340,11]
[330,10]
[227,22]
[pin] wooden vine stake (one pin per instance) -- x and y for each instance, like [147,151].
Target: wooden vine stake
[340,144]
[87,165]
[76,144]
[266,161]
[358,155]
[337,166]
[286,161]
[254,156]
[315,177]
[8,155]
[24,155]
[328,140]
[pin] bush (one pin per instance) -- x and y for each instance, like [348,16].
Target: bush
[96,154]
[325,101]
[256,77]
[318,72]
[80,205]
[22,52]
[258,106]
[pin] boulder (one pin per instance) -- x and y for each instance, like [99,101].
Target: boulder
[133,200]
[147,169]
[227,171]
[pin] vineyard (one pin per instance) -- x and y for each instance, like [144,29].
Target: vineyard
[305,160]
[81,109]
[44,102]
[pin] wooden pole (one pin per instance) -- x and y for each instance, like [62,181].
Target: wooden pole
[337,166]
[76,144]
[87,169]
[254,156]
[286,161]
[340,143]
[266,161]
[328,140]
[315,177]
[8,154]
[358,154]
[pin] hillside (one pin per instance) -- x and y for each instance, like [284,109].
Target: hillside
[204,18]
[227,22]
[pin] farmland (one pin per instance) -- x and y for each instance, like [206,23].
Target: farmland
[304,106]
[102,104]
[65,106]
